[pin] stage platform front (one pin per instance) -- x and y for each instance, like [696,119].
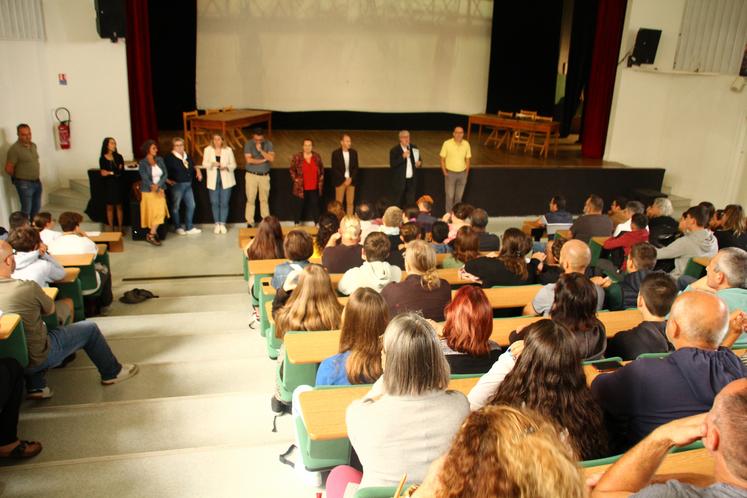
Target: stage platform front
[505,184]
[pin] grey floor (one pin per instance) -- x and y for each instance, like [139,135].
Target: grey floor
[196,420]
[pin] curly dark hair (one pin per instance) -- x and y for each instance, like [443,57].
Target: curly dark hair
[548,377]
[329,223]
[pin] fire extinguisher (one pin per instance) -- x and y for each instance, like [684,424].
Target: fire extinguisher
[62,128]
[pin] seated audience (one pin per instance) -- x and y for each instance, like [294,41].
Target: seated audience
[722,431]
[425,219]
[297,249]
[422,290]
[73,240]
[636,234]
[365,215]
[363,322]
[410,213]
[616,211]
[439,234]
[650,392]
[510,267]
[268,243]
[592,223]
[733,230]
[544,373]
[335,207]
[44,224]
[658,292]
[410,408]
[343,250]
[466,248]
[457,218]
[18,219]
[575,257]
[49,348]
[32,261]
[710,212]
[11,395]
[662,227]
[698,241]
[479,222]
[390,227]
[550,269]
[510,453]
[466,333]
[641,262]
[631,208]
[329,224]
[556,212]
[407,233]
[375,272]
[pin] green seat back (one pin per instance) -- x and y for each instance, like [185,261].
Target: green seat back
[321,455]
[591,362]
[653,355]
[15,346]
[613,296]
[376,492]
[73,291]
[693,269]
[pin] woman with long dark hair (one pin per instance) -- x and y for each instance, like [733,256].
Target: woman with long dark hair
[153,176]
[466,248]
[575,307]
[548,377]
[733,230]
[268,243]
[111,165]
[510,267]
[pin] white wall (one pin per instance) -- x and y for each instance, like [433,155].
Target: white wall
[692,125]
[96,94]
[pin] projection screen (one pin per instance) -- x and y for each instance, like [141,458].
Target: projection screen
[357,55]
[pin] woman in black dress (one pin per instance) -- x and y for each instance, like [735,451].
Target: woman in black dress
[112,164]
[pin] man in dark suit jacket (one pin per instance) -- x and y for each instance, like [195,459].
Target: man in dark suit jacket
[345,171]
[403,161]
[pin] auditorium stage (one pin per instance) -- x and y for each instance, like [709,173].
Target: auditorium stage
[504,184]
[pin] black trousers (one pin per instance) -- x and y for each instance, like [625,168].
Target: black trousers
[404,192]
[307,209]
[11,395]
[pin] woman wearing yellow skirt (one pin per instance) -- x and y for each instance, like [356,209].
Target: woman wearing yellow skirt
[153,209]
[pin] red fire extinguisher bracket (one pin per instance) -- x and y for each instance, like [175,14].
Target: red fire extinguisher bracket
[63,127]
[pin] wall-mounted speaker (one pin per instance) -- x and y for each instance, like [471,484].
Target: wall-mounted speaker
[111,20]
[646,43]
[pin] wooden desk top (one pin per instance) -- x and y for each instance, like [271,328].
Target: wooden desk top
[74,259]
[509,297]
[702,261]
[8,323]
[267,266]
[228,116]
[324,409]
[686,464]
[312,347]
[599,240]
[566,234]
[70,275]
[51,292]
[105,237]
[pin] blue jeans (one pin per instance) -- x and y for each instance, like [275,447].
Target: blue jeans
[64,341]
[182,191]
[219,201]
[29,192]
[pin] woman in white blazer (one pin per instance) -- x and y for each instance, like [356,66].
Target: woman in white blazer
[219,163]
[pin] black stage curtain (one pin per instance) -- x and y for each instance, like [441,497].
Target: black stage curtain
[525,46]
[579,60]
[173,46]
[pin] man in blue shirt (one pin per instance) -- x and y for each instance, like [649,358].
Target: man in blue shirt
[259,156]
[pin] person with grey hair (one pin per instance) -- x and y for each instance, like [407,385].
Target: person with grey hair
[404,158]
[631,208]
[181,173]
[410,408]
[650,392]
[662,227]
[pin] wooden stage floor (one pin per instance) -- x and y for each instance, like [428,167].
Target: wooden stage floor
[373,149]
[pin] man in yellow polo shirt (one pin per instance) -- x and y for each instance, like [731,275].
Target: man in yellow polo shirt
[455,158]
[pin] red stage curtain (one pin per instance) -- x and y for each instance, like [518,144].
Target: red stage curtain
[607,38]
[142,113]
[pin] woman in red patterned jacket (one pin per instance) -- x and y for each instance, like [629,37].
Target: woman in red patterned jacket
[307,173]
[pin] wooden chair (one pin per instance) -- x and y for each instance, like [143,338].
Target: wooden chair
[189,140]
[522,137]
[501,135]
[535,138]
[212,111]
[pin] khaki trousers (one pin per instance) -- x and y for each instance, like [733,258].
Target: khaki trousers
[257,184]
[348,192]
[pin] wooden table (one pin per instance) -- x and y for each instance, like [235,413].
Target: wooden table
[230,124]
[324,409]
[8,323]
[70,275]
[685,465]
[566,234]
[113,240]
[74,259]
[51,292]
[547,127]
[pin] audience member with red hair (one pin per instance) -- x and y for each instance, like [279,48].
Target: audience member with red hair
[466,334]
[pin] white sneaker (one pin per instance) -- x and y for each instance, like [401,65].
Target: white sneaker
[217,228]
[128,370]
[193,231]
[223,229]
[45,393]
[181,231]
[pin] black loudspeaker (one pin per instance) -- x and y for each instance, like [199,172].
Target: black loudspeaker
[111,20]
[646,43]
